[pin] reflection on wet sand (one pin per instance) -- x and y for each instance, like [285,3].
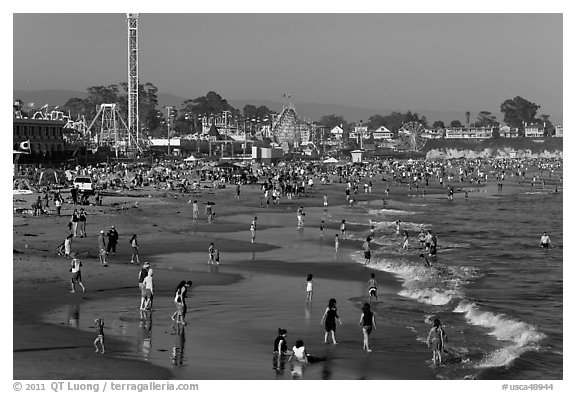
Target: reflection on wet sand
[279,364]
[73,315]
[145,333]
[177,355]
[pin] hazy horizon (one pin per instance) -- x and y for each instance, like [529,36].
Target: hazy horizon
[435,62]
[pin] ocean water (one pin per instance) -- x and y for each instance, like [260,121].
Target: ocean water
[497,293]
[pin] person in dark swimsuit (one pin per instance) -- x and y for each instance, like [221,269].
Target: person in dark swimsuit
[280,345]
[368,322]
[329,319]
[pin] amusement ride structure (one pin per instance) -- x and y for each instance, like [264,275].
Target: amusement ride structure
[108,128]
[411,136]
[289,130]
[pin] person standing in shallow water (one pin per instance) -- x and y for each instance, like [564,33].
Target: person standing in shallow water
[372,288]
[309,288]
[134,244]
[368,323]
[545,241]
[329,320]
[253,229]
[367,252]
[435,340]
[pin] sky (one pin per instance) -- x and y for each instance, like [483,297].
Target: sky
[387,61]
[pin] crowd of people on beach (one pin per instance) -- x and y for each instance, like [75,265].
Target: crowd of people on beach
[289,181]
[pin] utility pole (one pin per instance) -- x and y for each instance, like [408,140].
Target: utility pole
[169,114]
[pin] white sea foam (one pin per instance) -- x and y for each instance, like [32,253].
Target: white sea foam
[521,335]
[391,212]
[428,296]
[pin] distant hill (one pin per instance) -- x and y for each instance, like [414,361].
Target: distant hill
[308,111]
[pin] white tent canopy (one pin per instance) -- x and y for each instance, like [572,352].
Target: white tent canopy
[191,158]
[330,160]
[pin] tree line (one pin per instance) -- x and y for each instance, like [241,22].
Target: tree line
[186,118]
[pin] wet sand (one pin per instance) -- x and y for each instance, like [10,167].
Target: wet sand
[234,311]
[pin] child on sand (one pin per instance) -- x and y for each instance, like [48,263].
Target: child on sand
[436,338]
[372,288]
[99,322]
[75,266]
[329,319]
[280,345]
[405,242]
[366,249]
[343,229]
[211,251]
[368,322]
[309,288]
[253,229]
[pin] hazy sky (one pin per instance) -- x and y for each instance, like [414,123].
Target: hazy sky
[384,61]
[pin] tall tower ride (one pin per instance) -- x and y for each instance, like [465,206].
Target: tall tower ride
[133,129]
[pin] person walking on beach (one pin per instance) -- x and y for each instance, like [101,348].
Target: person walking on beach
[422,237]
[82,223]
[372,288]
[141,276]
[134,244]
[343,229]
[184,294]
[102,248]
[433,246]
[211,251]
[237,190]
[58,203]
[436,339]
[75,266]
[209,212]
[405,242]
[366,249]
[322,230]
[329,320]
[112,240]
[336,243]
[74,221]
[545,241]
[398,227]
[253,229]
[149,288]
[368,323]
[99,322]
[68,245]
[179,303]
[195,211]
[428,240]
[300,216]
[309,288]
[325,202]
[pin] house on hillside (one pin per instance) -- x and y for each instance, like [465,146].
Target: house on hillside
[508,132]
[534,130]
[434,133]
[337,133]
[559,132]
[382,133]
